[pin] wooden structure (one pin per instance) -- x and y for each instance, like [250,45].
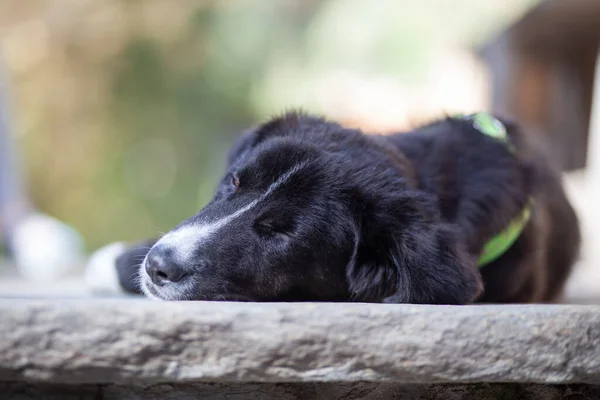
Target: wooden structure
[542,73]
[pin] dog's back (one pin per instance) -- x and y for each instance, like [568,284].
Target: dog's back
[481,187]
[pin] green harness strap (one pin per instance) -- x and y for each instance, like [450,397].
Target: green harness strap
[499,244]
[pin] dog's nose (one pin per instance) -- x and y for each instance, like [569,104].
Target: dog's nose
[162,268]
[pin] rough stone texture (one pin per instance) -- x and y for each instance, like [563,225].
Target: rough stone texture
[301,391]
[141,342]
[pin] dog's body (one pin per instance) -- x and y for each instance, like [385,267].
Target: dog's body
[312,211]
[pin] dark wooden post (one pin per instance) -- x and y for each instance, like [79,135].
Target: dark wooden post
[542,71]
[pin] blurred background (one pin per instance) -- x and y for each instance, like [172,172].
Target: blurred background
[124,110]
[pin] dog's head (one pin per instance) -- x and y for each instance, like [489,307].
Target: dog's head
[311,211]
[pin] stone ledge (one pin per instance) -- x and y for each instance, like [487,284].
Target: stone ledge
[140,342]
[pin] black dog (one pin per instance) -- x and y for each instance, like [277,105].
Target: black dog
[312,211]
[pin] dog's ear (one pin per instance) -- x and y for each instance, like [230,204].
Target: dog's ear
[283,125]
[405,254]
[242,146]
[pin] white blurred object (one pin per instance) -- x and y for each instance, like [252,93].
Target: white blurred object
[45,249]
[101,272]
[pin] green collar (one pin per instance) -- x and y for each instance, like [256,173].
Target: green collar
[499,244]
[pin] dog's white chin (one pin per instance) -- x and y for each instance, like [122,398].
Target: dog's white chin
[149,295]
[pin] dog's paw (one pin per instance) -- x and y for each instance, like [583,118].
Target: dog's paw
[101,270]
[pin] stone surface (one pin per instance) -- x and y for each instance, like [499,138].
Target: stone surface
[140,342]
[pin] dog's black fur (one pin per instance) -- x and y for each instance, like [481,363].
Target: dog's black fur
[399,218]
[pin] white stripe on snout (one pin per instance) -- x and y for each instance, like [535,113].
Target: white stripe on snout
[184,240]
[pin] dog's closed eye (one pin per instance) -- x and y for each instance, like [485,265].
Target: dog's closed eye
[269,227]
